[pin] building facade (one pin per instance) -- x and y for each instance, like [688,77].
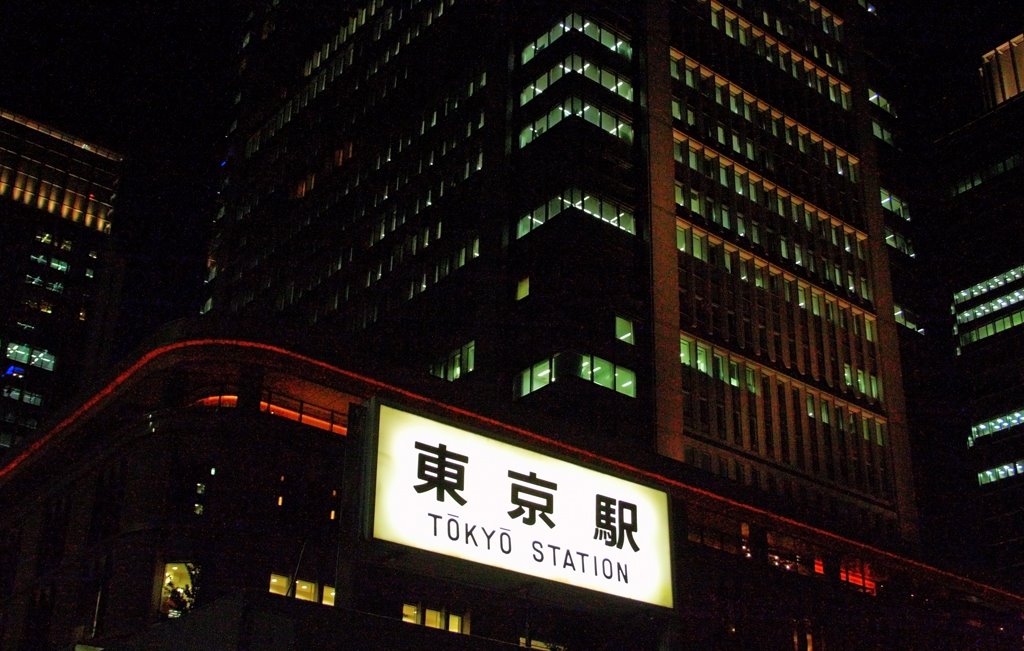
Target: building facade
[981,189]
[636,226]
[225,493]
[58,279]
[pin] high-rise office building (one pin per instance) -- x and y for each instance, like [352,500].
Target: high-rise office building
[643,227]
[982,179]
[57,283]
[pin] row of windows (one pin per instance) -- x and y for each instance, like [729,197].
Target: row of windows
[54,286]
[989,329]
[824,335]
[579,108]
[575,22]
[457,172]
[720,213]
[894,204]
[445,111]
[281,584]
[705,247]
[337,67]
[51,261]
[830,23]
[995,425]
[403,172]
[57,192]
[7,439]
[63,244]
[18,394]
[576,199]
[907,319]
[356,19]
[988,285]
[881,102]
[821,18]
[785,552]
[455,363]
[760,191]
[781,419]
[773,51]
[987,173]
[575,64]
[447,172]
[900,242]
[431,274]
[989,307]
[587,367]
[412,244]
[32,356]
[840,248]
[999,473]
[866,383]
[883,134]
[439,618]
[760,114]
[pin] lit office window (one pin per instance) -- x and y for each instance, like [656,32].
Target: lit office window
[995,425]
[894,204]
[576,199]
[624,330]
[575,22]
[999,473]
[441,619]
[523,288]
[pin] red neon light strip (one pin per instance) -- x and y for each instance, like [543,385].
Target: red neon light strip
[377,384]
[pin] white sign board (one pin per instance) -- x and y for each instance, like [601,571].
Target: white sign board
[449,491]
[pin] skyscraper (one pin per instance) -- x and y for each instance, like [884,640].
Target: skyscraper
[981,188]
[643,228]
[57,280]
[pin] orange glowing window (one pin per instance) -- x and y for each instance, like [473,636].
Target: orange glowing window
[284,406]
[217,401]
[860,575]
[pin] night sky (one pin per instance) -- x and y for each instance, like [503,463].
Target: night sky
[151,79]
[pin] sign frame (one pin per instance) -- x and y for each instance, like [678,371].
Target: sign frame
[599,559]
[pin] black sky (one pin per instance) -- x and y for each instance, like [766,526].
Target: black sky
[150,78]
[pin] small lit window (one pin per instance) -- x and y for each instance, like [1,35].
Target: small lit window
[180,586]
[328,596]
[624,330]
[523,288]
[279,584]
[306,590]
[411,613]
[433,618]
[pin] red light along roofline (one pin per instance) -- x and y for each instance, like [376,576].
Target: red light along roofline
[678,486]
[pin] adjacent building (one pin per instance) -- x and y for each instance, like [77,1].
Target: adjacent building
[57,278]
[984,172]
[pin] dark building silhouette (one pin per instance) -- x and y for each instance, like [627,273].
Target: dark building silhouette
[981,189]
[58,278]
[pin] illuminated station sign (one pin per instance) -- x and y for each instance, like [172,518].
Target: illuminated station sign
[449,491]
